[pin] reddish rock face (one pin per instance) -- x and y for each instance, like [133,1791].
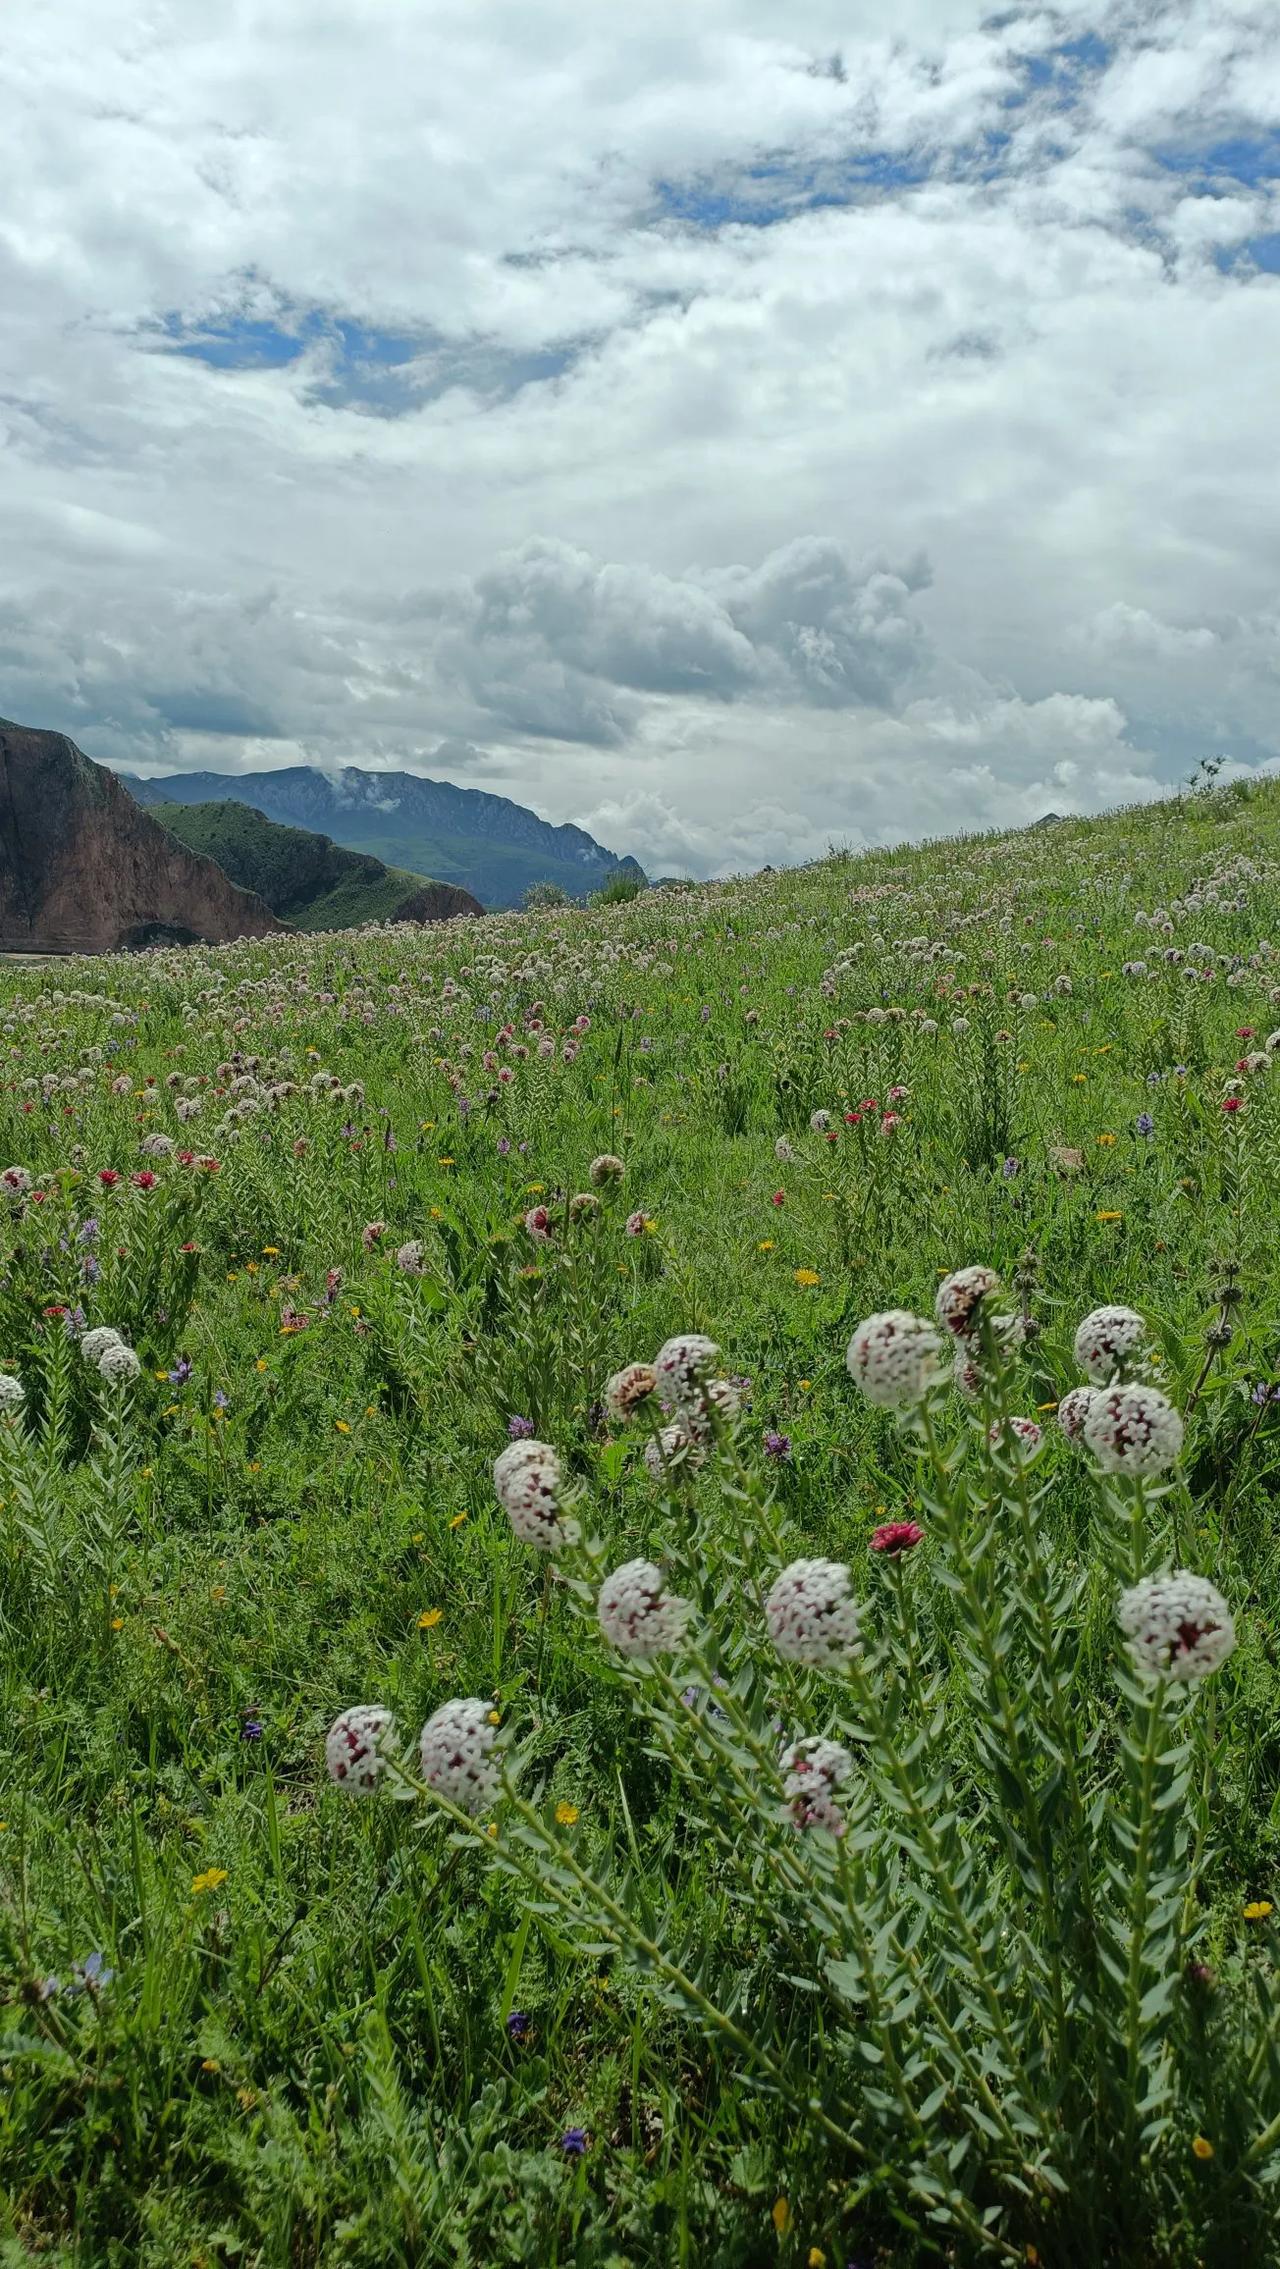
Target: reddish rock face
[83,869]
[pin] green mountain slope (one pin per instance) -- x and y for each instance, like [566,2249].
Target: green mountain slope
[306,879]
[486,844]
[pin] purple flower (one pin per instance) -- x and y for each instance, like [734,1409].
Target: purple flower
[518,2024]
[219,1399]
[91,1974]
[573,2142]
[519,1429]
[1265,1392]
[181,1371]
[504,1147]
[1011,1169]
[251,1729]
[1144,1125]
[777,1446]
[88,1232]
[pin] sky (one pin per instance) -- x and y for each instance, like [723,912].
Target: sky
[759,430]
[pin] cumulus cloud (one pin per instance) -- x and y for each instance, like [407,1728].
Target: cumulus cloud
[766,432]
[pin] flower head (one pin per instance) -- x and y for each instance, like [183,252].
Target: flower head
[356,1747]
[537,1223]
[958,1305]
[529,1482]
[637,1614]
[894,1358]
[675,1445]
[1107,1341]
[812,1771]
[627,1389]
[456,1749]
[683,1365]
[812,1614]
[605,1170]
[895,1538]
[1176,1626]
[95,1342]
[776,1446]
[412,1258]
[1133,1429]
[118,1364]
[12,1392]
[1073,1410]
[1017,1437]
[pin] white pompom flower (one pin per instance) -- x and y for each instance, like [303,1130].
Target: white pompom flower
[1176,1626]
[812,1771]
[674,1446]
[1107,1341]
[529,1482]
[118,1365]
[1073,1410]
[683,1365]
[813,1616]
[357,1747]
[456,1748]
[12,1393]
[960,1296]
[627,1389]
[1017,1437]
[95,1343]
[411,1258]
[1133,1429]
[894,1357]
[637,1614]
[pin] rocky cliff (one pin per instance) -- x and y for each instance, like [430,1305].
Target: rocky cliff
[83,869]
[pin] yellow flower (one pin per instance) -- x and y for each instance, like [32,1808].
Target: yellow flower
[210,2064]
[1257,1910]
[261,1363]
[765,1245]
[1046,1406]
[1079,1079]
[444,1162]
[807,1278]
[1110,1217]
[457,1520]
[210,1879]
[117,1622]
[566,1815]
[494,1718]
[272,1252]
[804,1385]
[817,2258]
[1202,2147]
[429,1618]
[1106,1142]
[782,2215]
[342,1425]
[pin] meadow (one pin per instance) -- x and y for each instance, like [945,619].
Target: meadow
[855,1846]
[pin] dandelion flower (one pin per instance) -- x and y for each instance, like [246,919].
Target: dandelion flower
[637,1614]
[1133,1429]
[812,1615]
[1176,1626]
[356,1747]
[456,1748]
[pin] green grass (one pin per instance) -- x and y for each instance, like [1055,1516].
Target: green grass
[302,2057]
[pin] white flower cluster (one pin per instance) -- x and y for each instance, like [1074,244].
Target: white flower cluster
[675,1445]
[627,1389]
[412,1258]
[1073,1410]
[357,1745]
[94,1344]
[637,1614]
[683,1365]
[1017,1437]
[457,1755]
[812,1771]
[605,1170]
[1177,1626]
[118,1364]
[157,1146]
[529,1482]
[16,1180]
[894,1358]
[960,1296]
[813,1616]
[1133,1429]
[12,1392]
[1107,1341]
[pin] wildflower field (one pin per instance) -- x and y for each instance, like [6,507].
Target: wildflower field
[638,1575]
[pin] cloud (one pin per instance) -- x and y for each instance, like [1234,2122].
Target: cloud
[768,429]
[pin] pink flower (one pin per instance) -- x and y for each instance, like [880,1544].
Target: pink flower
[895,1537]
[537,1221]
[779,1197]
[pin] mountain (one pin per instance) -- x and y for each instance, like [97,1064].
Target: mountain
[84,870]
[306,879]
[486,844]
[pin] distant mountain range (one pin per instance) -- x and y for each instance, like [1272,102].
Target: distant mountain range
[485,844]
[310,882]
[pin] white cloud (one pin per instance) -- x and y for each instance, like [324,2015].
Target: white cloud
[748,433]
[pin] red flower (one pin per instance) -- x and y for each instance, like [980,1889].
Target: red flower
[108,1177]
[779,1197]
[144,1181]
[895,1537]
[1233,1102]
[38,1196]
[186,1158]
[1246,1032]
[853,1118]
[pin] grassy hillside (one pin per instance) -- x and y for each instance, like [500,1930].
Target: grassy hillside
[305,878]
[901,1905]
